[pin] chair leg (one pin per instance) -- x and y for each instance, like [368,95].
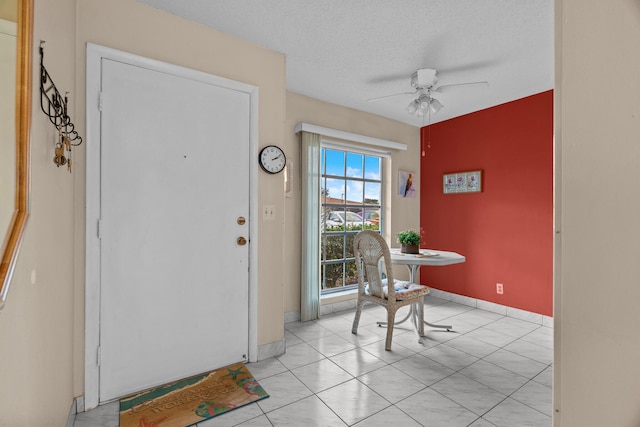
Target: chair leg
[356,319]
[421,318]
[391,318]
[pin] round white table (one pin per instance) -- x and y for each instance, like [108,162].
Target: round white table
[429,257]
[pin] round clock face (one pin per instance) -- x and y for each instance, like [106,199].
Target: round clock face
[272,159]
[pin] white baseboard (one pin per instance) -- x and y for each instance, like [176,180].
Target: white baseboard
[77,406]
[516,313]
[291,316]
[271,349]
[328,307]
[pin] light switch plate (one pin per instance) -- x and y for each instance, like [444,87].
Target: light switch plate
[268,212]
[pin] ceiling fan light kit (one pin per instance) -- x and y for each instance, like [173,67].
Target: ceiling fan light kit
[435,105]
[419,105]
[423,81]
[413,106]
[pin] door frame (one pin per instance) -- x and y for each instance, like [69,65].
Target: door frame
[95,54]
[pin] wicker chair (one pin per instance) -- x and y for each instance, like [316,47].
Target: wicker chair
[372,260]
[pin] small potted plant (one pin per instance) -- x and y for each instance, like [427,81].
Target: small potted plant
[409,241]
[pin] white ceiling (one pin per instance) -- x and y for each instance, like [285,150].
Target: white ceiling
[347,51]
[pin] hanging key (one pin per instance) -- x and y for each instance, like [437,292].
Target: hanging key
[60,159]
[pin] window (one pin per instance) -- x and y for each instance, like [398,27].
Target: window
[350,200]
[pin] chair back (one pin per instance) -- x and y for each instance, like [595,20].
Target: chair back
[370,249]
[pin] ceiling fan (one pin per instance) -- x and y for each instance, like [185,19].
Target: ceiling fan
[424,81]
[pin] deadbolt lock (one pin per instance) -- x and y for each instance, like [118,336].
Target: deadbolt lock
[242,241]
[241,220]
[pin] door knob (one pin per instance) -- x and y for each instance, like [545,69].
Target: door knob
[242,241]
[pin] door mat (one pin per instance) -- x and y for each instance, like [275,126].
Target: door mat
[192,400]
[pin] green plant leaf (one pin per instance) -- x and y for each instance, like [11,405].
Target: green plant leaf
[409,237]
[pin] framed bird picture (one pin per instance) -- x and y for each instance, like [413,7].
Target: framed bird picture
[407,184]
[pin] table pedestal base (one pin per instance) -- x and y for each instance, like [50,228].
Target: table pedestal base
[413,311]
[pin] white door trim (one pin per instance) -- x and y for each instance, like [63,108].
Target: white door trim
[95,54]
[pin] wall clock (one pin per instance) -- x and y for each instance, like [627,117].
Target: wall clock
[272,159]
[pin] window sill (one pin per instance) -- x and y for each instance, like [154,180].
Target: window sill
[335,297]
[338,301]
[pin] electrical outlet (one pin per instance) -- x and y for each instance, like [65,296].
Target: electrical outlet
[500,288]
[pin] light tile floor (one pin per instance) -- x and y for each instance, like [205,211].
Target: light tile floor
[491,370]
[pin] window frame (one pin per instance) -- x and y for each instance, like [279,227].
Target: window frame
[346,149]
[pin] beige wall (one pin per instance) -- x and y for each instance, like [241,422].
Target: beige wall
[597,320]
[9,10]
[43,323]
[7,124]
[37,322]
[405,213]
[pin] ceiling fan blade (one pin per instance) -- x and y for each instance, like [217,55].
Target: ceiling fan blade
[445,88]
[465,66]
[380,98]
[389,78]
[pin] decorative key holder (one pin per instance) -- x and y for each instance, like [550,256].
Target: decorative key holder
[55,107]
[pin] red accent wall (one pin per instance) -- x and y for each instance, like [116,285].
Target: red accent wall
[506,231]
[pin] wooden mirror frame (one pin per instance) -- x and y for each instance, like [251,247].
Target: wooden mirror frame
[13,238]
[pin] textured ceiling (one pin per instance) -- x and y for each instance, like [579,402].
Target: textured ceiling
[347,51]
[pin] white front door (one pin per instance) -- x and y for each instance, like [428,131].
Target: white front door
[174,179]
